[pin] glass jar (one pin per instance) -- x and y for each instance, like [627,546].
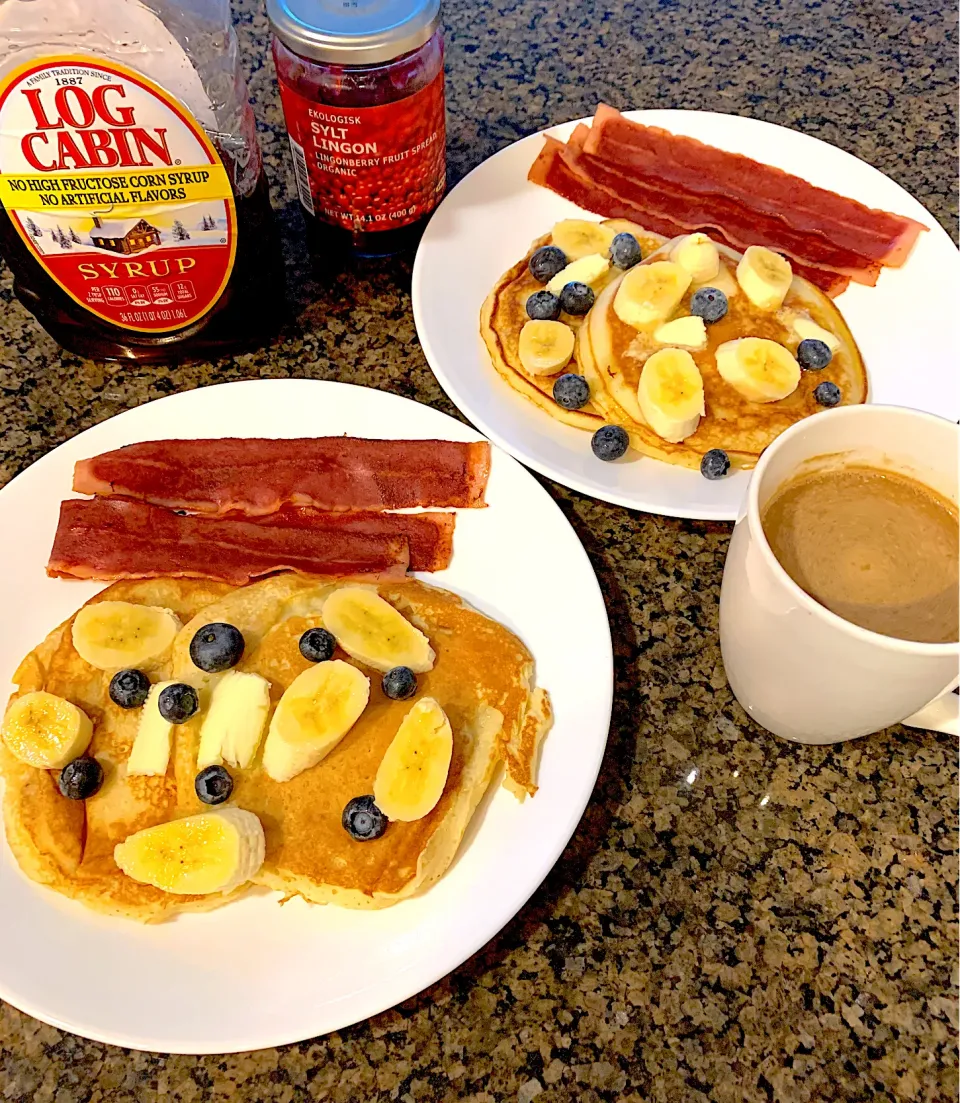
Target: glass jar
[362,94]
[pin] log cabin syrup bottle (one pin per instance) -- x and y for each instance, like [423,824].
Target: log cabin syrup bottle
[362,88]
[134,211]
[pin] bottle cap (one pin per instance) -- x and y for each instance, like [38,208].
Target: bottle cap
[353,32]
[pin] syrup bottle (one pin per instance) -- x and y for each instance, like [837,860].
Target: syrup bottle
[134,210]
[362,93]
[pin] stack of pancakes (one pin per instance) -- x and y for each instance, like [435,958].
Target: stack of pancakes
[482,678]
[611,355]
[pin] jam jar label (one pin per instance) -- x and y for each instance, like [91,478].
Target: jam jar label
[117,191]
[369,168]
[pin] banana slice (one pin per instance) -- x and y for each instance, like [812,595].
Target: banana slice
[545,347]
[150,752]
[765,277]
[113,634]
[808,330]
[761,370]
[699,256]
[414,770]
[43,730]
[689,332]
[579,238]
[589,270]
[670,394]
[234,723]
[212,852]
[649,293]
[374,633]
[317,710]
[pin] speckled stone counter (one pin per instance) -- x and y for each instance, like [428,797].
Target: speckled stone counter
[737,919]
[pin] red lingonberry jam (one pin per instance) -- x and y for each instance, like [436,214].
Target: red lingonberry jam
[362,93]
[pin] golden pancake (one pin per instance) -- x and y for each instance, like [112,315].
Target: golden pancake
[611,355]
[68,844]
[482,678]
[504,314]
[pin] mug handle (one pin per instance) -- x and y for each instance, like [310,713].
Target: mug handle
[941,715]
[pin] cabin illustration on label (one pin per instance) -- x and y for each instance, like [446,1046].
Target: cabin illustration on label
[124,236]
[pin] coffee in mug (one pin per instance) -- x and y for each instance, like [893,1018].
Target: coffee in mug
[838,609]
[874,546]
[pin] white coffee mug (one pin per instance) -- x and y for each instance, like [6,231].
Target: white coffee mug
[798,669]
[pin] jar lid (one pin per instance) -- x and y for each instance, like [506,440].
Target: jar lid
[353,32]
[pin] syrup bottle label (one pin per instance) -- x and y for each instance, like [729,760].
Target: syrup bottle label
[369,168]
[117,191]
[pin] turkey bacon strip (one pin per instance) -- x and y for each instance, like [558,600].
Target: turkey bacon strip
[656,156]
[718,215]
[551,170]
[111,538]
[257,476]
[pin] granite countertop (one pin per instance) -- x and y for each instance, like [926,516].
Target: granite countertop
[737,919]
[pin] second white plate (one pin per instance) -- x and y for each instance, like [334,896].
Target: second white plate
[254,974]
[906,326]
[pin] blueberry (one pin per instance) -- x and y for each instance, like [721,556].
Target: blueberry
[547,262]
[625,251]
[715,464]
[129,688]
[400,683]
[213,785]
[571,391]
[81,778]
[362,819]
[827,394]
[543,306]
[216,647]
[813,354]
[317,645]
[576,297]
[709,303]
[177,703]
[609,442]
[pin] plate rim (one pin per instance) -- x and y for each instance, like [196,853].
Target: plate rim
[445,963]
[490,430]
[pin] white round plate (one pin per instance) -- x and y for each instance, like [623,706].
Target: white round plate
[906,326]
[255,974]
